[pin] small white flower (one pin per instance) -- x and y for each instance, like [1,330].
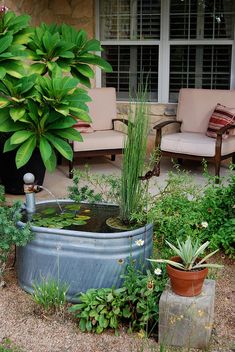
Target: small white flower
[204,224]
[158,271]
[139,243]
[233,206]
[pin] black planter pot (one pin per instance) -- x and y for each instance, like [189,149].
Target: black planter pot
[12,178]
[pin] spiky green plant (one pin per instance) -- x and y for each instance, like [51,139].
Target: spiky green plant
[190,253]
[134,156]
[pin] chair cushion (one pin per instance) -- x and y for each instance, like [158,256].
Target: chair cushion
[195,144]
[100,140]
[196,106]
[221,116]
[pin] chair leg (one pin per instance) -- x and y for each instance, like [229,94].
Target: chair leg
[71,169]
[113,157]
[217,170]
[180,161]
[59,159]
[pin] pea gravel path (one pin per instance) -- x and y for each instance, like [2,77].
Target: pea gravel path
[32,332]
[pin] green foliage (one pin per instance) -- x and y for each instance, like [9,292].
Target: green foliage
[64,46]
[10,233]
[182,208]
[218,208]
[50,294]
[80,193]
[39,98]
[14,35]
[190,253]
[136,303]
[69,216]
[143,291]
[100,309]
[131,190]
[8,346]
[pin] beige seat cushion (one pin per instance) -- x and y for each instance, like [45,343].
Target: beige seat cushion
[195,144]
[102,108]
[100,140]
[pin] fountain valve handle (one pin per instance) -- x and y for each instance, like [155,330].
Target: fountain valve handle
[29,185]
[29,189]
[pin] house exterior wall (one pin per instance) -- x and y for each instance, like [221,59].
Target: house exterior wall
[80,14]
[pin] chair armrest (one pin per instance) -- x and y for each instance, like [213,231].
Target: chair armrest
[224,129]
[165,123]
[125,121]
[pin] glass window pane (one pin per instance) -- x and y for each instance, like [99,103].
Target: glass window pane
[199,19]
[131,20]
[199,66]
[131,66]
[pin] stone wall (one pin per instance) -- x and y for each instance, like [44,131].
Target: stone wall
[79,13]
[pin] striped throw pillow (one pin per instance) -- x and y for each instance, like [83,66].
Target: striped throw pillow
[83,127]
[221,116]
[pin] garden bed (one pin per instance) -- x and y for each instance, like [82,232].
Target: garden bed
[32,331]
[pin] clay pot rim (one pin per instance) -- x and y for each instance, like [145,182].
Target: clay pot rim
[186,273]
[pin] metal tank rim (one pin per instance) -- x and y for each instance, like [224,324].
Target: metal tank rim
[76,233]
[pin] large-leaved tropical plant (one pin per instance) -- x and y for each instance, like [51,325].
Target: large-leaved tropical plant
[40,113]
[40,98]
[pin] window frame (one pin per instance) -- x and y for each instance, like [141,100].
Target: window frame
[164,50]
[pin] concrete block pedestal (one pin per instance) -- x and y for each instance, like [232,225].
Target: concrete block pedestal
[187,321]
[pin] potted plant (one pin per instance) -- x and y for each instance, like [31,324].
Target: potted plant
[187,271]
[39,97]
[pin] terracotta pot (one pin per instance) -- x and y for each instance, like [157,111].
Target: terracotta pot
[186,283]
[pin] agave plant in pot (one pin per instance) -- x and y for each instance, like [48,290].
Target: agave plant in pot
[187,271]
[40,100]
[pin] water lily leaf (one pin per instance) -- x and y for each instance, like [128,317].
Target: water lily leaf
[79,222]
[82,217]
[49,211]
[73,207]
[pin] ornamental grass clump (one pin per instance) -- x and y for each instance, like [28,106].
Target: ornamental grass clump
[131,189]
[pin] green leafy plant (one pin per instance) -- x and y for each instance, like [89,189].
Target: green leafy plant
[10,233]
[135,303]
[14,34]
[50,294]
[189,253]
[40,104]
[143,291]
[100,309]
[218,208]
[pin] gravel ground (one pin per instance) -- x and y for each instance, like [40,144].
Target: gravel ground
[21,323]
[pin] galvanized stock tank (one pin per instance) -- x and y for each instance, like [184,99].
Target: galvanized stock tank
[80,259]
